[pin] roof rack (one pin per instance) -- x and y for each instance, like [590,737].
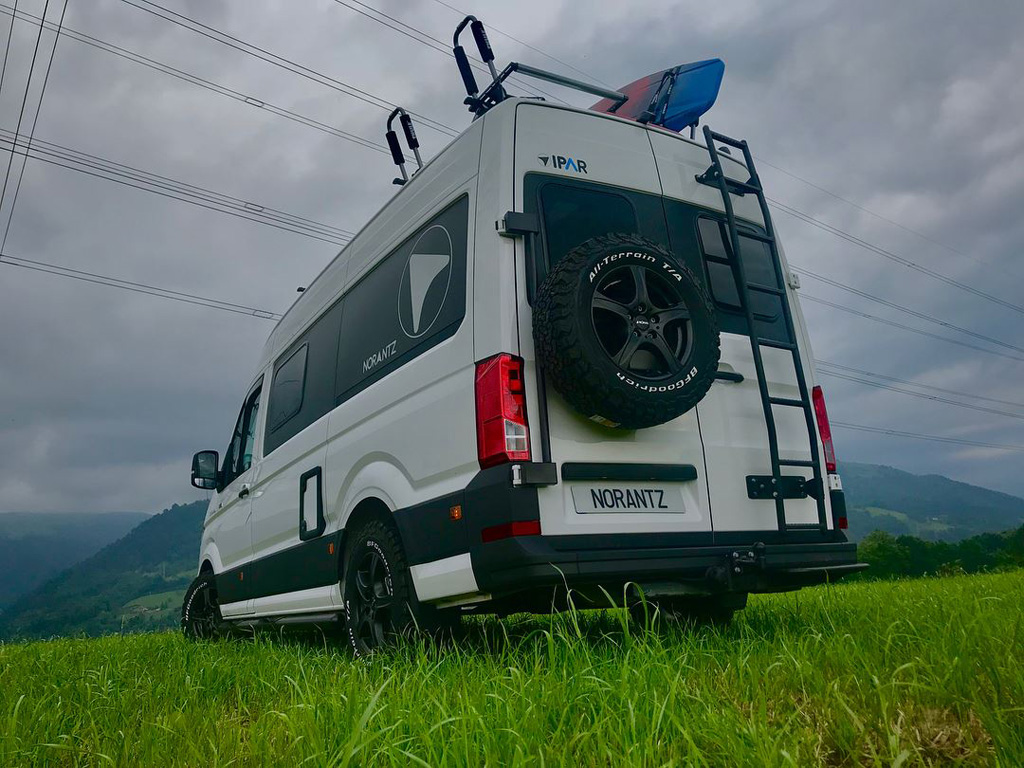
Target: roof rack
[396,148]
[479,102]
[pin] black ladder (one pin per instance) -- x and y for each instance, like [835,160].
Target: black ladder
[776,487]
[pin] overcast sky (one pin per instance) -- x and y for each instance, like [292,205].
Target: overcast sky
[913,110]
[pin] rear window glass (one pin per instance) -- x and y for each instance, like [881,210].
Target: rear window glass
[573,215]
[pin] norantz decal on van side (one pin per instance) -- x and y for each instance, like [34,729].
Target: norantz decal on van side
[379,357]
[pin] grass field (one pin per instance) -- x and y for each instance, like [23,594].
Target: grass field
[885,673]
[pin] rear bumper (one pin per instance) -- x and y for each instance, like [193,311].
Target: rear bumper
[531,563]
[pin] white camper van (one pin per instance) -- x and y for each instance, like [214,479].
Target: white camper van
[568,354]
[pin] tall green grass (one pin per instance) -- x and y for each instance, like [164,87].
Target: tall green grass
[886,673]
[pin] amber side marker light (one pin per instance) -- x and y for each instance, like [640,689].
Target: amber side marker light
[455,513]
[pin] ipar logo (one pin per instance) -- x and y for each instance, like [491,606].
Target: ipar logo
[563,163]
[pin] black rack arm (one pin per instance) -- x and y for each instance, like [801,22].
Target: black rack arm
[395,146]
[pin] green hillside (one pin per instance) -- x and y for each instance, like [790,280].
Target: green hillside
[927,506]
[159,555]
[35,547]
[909,673]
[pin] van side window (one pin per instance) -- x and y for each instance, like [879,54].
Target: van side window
[288,387]
[238,457]
[757,264]
[573,215]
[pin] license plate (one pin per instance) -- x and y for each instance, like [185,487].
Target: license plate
[625,498]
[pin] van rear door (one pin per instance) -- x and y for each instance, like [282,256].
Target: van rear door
[586,176]
[731,416]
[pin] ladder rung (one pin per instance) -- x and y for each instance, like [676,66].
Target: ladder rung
[757,236]
[765,289]
[735,185]
[796,463]
[788,401]
[803,526]
[788,345]
[739,144]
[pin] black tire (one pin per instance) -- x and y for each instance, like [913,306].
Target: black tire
[380,600]
[626,333]
[200,614]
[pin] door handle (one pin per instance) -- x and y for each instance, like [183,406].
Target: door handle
[243,491]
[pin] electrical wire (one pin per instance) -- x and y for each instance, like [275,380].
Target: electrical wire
[934,398]
[918,384]
[24,103]
[178,191]
[904,309]
[438,45]
[193,79]
[919,436]
[808,219]
[128,285]
[186,22]
[894,324]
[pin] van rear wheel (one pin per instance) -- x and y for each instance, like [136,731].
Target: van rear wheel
[380,600]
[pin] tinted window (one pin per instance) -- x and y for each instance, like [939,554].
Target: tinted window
[757,264]
[573,215]
[413,299]
[238,456]
[288,387]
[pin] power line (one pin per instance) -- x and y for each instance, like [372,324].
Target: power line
[919,436]
[491,27]
[893,323]
[263,54]
[436,44]
[128,285]
[193,79]
[35,121]
[808,219]
[923,396]
[180,191]
[902,308]
[24,102]
[918,384]
[7,50]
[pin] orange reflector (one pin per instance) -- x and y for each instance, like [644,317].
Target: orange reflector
[241,575]
[330,548]
[455,513]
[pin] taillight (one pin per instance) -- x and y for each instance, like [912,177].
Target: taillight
[501,429]
[824,429]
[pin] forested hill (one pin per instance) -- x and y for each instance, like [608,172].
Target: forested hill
[35,547]
[931,507]
[159,556]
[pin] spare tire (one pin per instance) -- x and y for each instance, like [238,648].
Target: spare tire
[625,332]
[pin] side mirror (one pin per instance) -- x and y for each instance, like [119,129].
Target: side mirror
[205,470]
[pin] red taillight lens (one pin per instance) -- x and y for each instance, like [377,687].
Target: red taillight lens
[824,429]
[844,523]
[502,433]
[507,530]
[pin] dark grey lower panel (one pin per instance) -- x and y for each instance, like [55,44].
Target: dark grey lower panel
[305,566]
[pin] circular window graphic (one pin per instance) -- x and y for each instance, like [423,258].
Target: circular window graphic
[425,282]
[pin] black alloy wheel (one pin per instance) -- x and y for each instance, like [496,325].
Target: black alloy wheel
[374,601]
[642,321]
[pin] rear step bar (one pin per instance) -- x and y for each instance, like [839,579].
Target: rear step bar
[775,486]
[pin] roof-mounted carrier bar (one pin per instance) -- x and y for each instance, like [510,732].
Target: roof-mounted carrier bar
[494,93]
[396,147]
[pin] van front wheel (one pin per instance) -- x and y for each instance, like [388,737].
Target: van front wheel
[380,600]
